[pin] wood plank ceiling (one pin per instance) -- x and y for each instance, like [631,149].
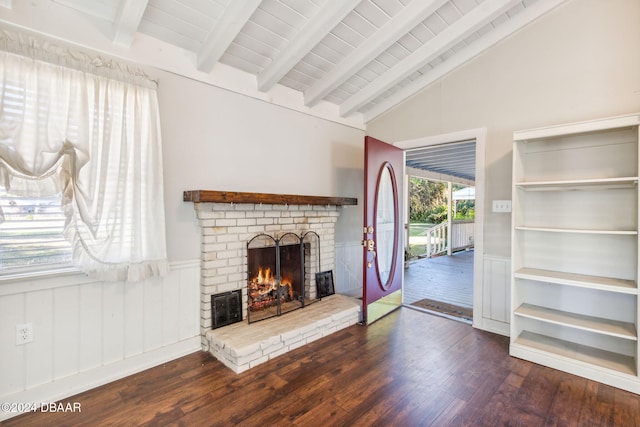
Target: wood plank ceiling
[363,56]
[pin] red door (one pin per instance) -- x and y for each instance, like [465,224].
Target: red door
[383,248]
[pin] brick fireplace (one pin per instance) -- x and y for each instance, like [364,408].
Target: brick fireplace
[228,221]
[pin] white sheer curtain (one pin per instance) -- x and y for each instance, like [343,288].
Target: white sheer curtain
[88,129]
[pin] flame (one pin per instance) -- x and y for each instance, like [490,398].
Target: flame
[265,282]
[265,277]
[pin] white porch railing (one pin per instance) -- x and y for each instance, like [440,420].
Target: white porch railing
[436,239]
[436,242]
[462,234]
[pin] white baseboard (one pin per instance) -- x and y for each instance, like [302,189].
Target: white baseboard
[494,326]
[83,381]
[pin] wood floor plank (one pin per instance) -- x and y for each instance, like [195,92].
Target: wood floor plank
[408,369]
[563,411]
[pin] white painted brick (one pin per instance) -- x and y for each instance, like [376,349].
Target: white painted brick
[228,238]
[204,215]
[215,247]
[265,221]
[227,287]
[244,206]
[249,349]
[291,335]
[236,260]
[314,337]
[213,280]
[273,348]
[225,255]
[277,353]
[221,206]
[209,272]
[237,230]
[262,207]
[244,222]
[329,331]
[207,223]
[271,341]
[234,214]
[209,239]
[240,246]
[208,291]
[226,222]
[272,214]
[285,221]
[228,270]
[240,277]
[255,214]
[297,344]
[258,361]
[213,264]
[210,231]
[256,229]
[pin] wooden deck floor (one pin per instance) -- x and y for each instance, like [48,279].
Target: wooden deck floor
[407,369]
[448,279]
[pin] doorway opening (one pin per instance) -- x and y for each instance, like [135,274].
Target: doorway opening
[442,272]
[439,254]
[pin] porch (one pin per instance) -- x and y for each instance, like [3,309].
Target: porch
[440,282]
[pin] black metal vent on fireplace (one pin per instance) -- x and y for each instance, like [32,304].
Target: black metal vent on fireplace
[226,308]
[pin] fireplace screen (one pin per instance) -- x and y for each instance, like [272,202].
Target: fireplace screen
[279,272]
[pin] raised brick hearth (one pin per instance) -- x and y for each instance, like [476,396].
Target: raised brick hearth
[241,346]
[226,228]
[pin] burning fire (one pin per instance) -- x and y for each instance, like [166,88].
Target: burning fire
[262,286]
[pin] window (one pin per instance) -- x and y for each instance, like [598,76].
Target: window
[31,235]
[80,164]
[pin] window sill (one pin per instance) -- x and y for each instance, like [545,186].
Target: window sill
[20,282]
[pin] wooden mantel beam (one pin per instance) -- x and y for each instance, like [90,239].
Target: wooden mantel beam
[209,196]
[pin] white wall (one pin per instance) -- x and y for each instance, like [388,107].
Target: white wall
[214,139]
[579,62]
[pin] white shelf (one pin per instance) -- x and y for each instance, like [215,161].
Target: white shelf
[578,231]
[597,325]
[580,280]
[579,184]
[594,356]
[575,208]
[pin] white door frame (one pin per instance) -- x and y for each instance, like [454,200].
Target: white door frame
[479,134]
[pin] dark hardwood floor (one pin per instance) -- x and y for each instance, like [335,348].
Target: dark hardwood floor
[407,369]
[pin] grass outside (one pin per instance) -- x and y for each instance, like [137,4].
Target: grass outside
[417,246]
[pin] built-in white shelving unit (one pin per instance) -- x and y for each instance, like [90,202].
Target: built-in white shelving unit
[574,288]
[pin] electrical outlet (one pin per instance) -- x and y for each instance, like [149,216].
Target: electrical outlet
[24,333]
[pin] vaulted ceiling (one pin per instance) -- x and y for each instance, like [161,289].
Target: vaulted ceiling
[357,58]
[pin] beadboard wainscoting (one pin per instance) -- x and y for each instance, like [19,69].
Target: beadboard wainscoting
[87,333]
[496,298]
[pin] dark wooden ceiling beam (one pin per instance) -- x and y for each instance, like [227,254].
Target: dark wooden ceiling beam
[209,196]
